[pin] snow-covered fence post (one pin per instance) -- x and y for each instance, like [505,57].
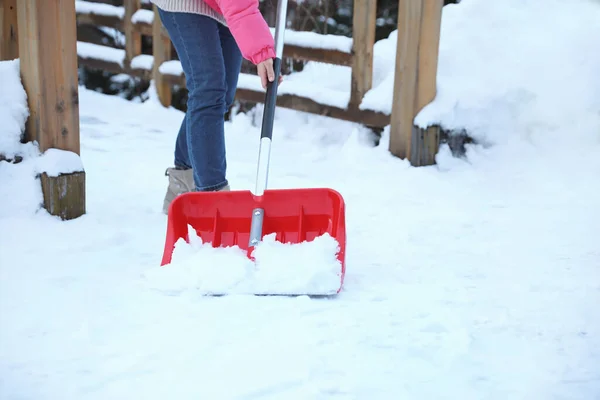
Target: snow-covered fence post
[48,60]
[419,23]
[161,49]
[133,38]
[9,45]
[363,40]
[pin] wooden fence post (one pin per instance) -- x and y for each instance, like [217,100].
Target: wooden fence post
[419,23]
[133,39]
[9,44]
[161,49]
[48,59]
[363,39]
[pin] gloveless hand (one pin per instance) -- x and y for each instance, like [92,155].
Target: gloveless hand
[265,71]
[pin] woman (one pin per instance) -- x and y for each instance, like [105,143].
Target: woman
[210,38]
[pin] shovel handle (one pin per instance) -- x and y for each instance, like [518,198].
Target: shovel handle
[271,102]
[264,152]
[271,95]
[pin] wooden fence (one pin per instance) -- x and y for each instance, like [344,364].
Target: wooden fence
[135,19]
[35,21]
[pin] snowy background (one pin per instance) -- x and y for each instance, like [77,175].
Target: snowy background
[477,278]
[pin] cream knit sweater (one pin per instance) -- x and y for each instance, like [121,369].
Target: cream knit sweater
[190,6]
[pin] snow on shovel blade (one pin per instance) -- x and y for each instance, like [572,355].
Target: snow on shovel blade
[302,252]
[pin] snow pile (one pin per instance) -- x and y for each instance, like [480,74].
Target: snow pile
[381,96]
[142,61]
[94,51]
[13,109]
[316,40]
[172,67]
[323,92]
[105,10]
[279,268]
[143,16]
[55,162]
[503,74]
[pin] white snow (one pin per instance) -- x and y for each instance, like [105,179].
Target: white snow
[278,268]
[142,61]
[143,16]
[171,67]
[13,108]
[557,89]
[381,96]
[298,85]
[477,278]
[107,10]
[55,162]
[315,40]
[120,78]
[99,52]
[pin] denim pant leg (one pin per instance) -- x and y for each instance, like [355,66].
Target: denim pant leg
[233,63]
[196,39]
[182,156]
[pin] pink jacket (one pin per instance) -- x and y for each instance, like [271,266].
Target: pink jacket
[248,27]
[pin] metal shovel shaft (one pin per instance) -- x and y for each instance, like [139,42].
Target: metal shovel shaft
[264,152]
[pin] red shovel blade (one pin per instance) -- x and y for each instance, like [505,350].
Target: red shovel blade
[224,218]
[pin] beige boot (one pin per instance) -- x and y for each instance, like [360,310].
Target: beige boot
[180,181]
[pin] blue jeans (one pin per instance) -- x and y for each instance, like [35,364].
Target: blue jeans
[211,62]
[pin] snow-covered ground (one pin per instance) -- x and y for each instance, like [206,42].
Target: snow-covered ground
[477,278]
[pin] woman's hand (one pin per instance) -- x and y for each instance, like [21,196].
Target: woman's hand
[265,71]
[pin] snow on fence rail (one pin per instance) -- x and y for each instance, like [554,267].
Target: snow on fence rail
[135,20]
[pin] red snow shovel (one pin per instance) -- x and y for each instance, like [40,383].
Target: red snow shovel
[242,218]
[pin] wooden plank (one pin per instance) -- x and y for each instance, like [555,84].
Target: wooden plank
[9,43]
[405,80]
[369,118]
[104,65]
[363,35]
[425,145]
[173,80]
[49,73]
[64,195]
[425,142]
[161,49]
[133,39]
[429,44]
[143,28]
[100,20]
[114,68]
[319,55]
